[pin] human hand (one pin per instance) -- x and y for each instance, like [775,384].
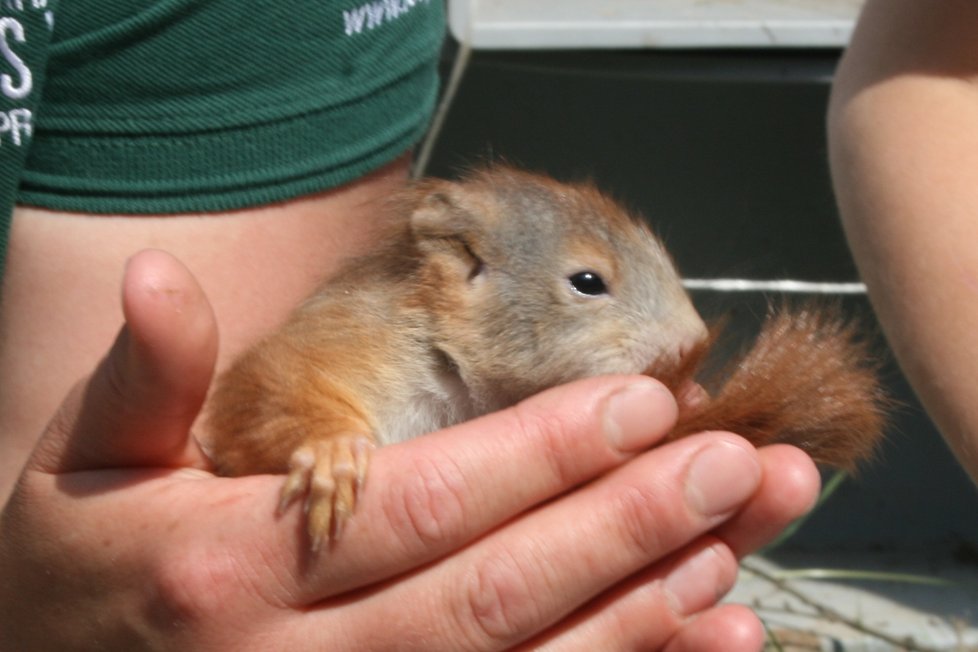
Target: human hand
[541,526]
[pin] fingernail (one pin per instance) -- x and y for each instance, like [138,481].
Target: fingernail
[720,478]
[638,415]
[698,582]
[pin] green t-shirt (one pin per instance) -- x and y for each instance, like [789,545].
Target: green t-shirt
[164,106]
[25,34]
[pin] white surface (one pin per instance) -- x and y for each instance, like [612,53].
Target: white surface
[935,618]
[510,24]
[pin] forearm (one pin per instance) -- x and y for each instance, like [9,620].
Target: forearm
[903,130]
[60,300]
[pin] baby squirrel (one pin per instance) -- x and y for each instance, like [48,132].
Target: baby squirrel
[486,291]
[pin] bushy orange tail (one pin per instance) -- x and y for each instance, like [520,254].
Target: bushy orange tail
[809,380]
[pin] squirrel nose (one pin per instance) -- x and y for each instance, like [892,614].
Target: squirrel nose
[676,367]
[692,337]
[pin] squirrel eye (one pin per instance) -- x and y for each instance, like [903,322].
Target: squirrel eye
[588,283]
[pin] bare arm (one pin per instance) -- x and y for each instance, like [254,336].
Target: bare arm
[60,300]
[903,132]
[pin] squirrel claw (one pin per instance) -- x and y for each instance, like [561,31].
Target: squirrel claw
[331,473]
[297,482]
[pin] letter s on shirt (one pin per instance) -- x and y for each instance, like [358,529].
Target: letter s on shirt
[21,87]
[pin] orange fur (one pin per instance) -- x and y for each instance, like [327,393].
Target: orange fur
[469,308]
[808,380]
[279,399]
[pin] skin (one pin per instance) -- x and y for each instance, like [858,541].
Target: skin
[904,150]
[541,526]
[60,305]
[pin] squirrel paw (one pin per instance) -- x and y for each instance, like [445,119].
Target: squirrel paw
[331,473]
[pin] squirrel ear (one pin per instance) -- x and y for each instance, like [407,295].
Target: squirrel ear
[438,214]
[445,230]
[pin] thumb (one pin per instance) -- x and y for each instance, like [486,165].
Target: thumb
[136,409]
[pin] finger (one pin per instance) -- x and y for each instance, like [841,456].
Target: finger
[789,489]
[726,628]
[137,407]
[433,494]
[441,491]
[521,579]
[647,610]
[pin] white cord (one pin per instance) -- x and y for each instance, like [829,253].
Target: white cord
[785,285]
[459,66]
